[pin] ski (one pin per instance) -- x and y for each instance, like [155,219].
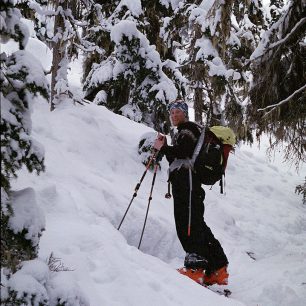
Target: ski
[224,292]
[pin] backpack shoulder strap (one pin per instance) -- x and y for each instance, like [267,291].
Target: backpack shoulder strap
[198,146]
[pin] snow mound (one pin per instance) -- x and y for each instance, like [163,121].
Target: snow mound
[92,168]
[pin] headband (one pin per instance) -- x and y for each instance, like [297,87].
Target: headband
[179,104]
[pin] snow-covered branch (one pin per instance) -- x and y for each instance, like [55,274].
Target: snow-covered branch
[294,30]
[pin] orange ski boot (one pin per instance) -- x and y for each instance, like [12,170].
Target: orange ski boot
[219,277]
[196,275]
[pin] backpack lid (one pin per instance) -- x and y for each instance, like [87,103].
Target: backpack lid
[225,134]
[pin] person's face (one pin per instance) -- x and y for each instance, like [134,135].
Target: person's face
[177,116]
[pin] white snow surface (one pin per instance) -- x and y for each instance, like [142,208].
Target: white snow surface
[27,214]
[92,167]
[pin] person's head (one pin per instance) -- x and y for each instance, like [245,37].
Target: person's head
[178,112]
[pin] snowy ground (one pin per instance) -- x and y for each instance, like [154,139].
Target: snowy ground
[92,168]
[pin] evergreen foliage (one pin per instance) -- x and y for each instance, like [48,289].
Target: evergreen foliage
[17,91]
[22,78]
[136,86]
[278,92]
[65,41]
[221,37]
[11,26]
[128,74]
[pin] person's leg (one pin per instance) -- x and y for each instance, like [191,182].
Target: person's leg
[180,192]
[202,241]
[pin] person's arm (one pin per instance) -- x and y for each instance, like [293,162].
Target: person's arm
[183,149]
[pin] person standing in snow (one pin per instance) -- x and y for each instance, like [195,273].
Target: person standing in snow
[203,250]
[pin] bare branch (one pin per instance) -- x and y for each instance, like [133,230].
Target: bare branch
[273,106]
[55,264]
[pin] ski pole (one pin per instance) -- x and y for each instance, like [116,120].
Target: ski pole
[137,188]
[149,201]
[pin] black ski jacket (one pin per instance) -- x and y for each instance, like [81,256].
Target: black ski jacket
[184,142]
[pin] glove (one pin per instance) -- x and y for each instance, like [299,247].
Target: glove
[159,142]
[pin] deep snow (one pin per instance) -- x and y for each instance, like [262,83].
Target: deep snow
[92,167]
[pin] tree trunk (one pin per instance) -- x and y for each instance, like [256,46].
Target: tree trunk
[58,52]
[198,105]
[197,73]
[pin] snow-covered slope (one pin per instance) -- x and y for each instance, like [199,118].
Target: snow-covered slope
[92,167]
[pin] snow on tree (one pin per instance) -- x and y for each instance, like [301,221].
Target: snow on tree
[128,75]
[25,280]
[22,78]
[64,32]
[219,37]
[66,43]
[137,86]
[278,92]
[276,9]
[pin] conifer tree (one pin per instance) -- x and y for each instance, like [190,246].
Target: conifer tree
[25,279]
[22,78]
[129,75]
[278,93]
[66,44]
[222,35]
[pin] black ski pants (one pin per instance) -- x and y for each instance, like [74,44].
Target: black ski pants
[201,240]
